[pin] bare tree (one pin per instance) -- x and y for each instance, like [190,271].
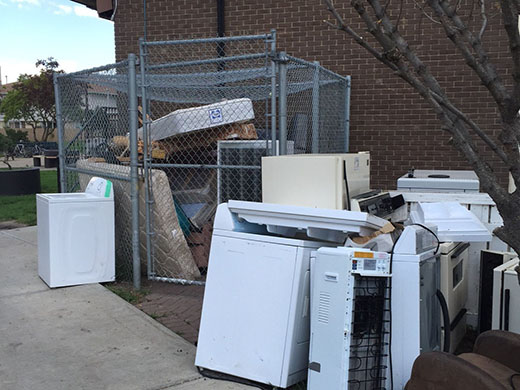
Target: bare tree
[388,46]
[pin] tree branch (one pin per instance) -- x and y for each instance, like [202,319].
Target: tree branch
[510,19]
[341,25]
[423,12]
[494,147]
[484,20]
[420,68]
[460,35]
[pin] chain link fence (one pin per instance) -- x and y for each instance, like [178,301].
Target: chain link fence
[93,125]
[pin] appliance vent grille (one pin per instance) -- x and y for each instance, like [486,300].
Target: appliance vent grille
[324,307]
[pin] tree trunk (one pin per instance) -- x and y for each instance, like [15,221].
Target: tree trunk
[34,133]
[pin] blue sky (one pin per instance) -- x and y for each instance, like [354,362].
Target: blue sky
[67,31]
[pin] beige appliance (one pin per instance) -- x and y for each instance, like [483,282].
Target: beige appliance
[454,286]
[326,181]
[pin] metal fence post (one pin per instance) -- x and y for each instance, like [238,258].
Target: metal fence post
[316,108]
[347,115]
[144,103]
[134,180]
[273,93]
[59,123]
[283,102]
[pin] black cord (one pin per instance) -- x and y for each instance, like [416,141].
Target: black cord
[446,319]
[224,377]
[390,317]
[345,179]
[511,381]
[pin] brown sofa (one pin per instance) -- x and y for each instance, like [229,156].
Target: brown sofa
[493,364]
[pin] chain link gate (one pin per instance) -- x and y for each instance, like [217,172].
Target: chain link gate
[211,109]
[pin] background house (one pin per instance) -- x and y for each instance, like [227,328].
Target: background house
[97,98]
[387,117]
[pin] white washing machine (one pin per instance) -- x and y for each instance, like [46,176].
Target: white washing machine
[255,316]
[76,236]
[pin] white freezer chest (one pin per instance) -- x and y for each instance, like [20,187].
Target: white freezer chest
[76,237]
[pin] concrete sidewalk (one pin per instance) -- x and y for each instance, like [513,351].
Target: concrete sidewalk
[82,337]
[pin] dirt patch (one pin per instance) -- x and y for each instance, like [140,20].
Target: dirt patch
[6,225]
[175,306]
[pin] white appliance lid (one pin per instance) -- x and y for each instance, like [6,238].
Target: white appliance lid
[440,179]
[72,197]
[454,222]
[327,224]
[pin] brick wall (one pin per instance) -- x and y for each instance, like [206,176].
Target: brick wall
[387,117]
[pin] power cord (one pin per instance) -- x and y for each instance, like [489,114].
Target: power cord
[390,317]
[225,377]
[441,298]
[511,381]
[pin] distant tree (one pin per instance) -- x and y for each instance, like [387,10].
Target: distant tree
[10,139]
[32,99]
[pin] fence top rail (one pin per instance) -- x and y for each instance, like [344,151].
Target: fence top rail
[209,40]
[317,65]
[207,61]
[102,68]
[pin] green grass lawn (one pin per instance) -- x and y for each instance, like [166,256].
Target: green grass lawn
[23,208]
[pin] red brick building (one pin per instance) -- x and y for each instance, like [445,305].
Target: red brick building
[387,117]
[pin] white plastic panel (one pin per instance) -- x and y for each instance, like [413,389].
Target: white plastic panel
[324,224]
[331,307]
[254,302]
[454,222]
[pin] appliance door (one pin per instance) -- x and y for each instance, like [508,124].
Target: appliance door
[457,289]
[430,315]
